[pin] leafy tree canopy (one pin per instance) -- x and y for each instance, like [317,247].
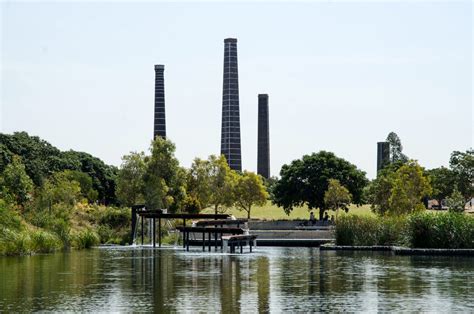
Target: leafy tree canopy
[164,180]
[410,185]
[396,148]
[250,191]
[337,196]
[130,185]
[443,182]
[15,184]
[305,181]
[41,160]
[462,164]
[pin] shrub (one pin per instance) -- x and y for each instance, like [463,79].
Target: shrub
[86,239]
[44,242]
[444,230]
[115,217]
[14,242]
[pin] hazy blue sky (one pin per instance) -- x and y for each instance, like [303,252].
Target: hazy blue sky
[340,76]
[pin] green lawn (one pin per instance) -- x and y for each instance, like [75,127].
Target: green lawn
[272,212]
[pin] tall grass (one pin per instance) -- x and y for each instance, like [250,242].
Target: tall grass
[418,230]
[86,239]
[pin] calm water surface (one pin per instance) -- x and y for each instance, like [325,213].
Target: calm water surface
[272,279]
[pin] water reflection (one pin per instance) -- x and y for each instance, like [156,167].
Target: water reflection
[271,280]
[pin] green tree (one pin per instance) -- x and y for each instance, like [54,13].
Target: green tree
[85,183]
[396,148]
[462,164]
[60,188]
[443,182]
[456,201]
[164,180]
[130,184]
[222,183]
[199,180]
[337,196]
[410,185]
[306,180]
[15,183]
[249,191]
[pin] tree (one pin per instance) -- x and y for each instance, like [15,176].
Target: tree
[198,182]
[396,148]
[250,191]
[337,196]
[306,180]
[164,180]
[222,182]
[443,182]
[85,183]
[15,183]
[130,179]
[462,164]
[59,189]
[410,185]
[456,202]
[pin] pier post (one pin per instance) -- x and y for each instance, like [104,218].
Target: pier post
[142,229]
[159,232]
[153,235]
[203,241]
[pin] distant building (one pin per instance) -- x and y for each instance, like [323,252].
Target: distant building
[383,155]
[160,117]
[230,131]
[263,141]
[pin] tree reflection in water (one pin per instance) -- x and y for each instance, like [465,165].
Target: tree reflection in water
[269,280]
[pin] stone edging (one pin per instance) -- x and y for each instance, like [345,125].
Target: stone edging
[401,250]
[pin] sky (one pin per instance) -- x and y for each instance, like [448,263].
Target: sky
[340,76]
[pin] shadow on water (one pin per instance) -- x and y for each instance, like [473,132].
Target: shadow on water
[270,280]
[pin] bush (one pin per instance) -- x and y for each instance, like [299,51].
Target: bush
[115,217]
[44,242]
[418,230]
[86,239]
[367,231]
[444,230]
[14,242]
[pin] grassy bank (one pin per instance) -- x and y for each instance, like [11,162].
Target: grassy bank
[273,212]
[77,227]
[419,230]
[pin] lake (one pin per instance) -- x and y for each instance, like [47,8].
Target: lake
[268,280]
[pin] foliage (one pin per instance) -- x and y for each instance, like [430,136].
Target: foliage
[41,160]
[222,184]
[462,164]
[417,230]
[58,189]
[410,185]
[455,201]
[115,217]
[380,190]
[15,183]
[44,242]
[198,182]
[249,191]
[130,179]
[191,204]
[305,181]
[443,182]
[164,180]
[396,148]
[85,184]
[86,239]
[337,196]
[368,231]
[444,230]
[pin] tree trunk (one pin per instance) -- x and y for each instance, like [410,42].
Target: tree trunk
[215,208]
[321,214]
[248,214]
